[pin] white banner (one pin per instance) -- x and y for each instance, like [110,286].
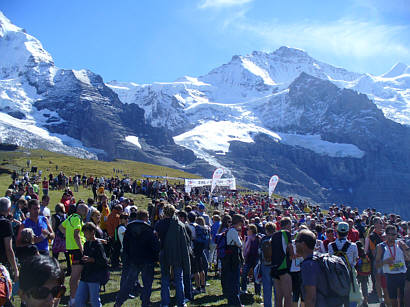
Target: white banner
[217,175]
[194,183]
[272,184]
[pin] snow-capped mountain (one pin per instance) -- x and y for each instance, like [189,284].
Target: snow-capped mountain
[71,111]
[330,134]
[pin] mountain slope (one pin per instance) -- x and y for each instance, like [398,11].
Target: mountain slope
[72,111]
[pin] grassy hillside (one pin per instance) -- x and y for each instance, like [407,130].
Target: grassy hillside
[53,162]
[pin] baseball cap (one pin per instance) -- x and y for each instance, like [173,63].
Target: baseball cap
[343,227]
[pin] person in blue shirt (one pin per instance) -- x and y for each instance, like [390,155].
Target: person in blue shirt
[40,225]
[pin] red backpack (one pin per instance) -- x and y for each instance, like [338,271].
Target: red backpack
[6,285]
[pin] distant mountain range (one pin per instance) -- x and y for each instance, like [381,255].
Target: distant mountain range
[331,135]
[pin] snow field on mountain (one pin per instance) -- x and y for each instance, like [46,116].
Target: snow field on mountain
[216,137]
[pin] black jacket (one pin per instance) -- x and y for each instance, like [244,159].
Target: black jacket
[140,244]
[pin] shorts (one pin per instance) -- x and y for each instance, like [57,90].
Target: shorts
[296,286]
[199,263]
[277,273]
[395,282]
[75,256]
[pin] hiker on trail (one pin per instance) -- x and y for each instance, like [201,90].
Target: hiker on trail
[282,253]
[72,228]
[391,257]
[342,244]
[44,210]
[233,260]
[95,269]
[174,254]
[295,273]
[225,224]
[7,256]
[345,249]
[375,237]
[265,250]
[313,281]
[140,252]
[59,240]
[250,254]
[40,225]
[201,241]
[113,221]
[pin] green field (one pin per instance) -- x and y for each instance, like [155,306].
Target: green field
[47,162]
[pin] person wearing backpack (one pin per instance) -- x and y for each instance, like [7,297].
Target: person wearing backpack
[74,239]
[345,249]
[95,269]
[232,260]
[391,257]
[250,253]
[141,249]
[371,242]
[314,283]
[282,253]
[200,262]
[265,251]
[220,241]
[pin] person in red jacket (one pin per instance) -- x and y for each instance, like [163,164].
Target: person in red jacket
[353,235]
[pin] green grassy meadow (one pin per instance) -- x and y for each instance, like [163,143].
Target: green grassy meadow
[47,162]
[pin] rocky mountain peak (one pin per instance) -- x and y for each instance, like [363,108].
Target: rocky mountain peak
[397,70]
[285,51]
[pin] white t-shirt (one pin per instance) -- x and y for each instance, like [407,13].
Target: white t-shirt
[121,232]
[295,266]
[233,238]
[45,212]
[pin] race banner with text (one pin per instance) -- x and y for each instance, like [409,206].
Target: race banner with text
[194,183]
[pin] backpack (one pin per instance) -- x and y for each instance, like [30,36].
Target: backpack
[279,255]
[201,237]
[6,286]
[221,245]
[342,253]
[337,277]
[266,248]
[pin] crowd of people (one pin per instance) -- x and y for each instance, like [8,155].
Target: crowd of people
[294,253]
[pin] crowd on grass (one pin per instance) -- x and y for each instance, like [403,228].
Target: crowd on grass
[294,253]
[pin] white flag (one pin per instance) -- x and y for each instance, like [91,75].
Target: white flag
[272,184]
[217,175]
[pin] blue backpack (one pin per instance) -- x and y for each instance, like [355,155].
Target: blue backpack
[221,245]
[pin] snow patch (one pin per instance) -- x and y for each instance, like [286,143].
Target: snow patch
[82,76]
[256,70]
[133,140]
[319,146]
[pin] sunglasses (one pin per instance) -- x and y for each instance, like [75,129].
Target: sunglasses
[42,293]
[391,234]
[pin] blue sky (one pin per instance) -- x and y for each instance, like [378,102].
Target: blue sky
[159,40]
